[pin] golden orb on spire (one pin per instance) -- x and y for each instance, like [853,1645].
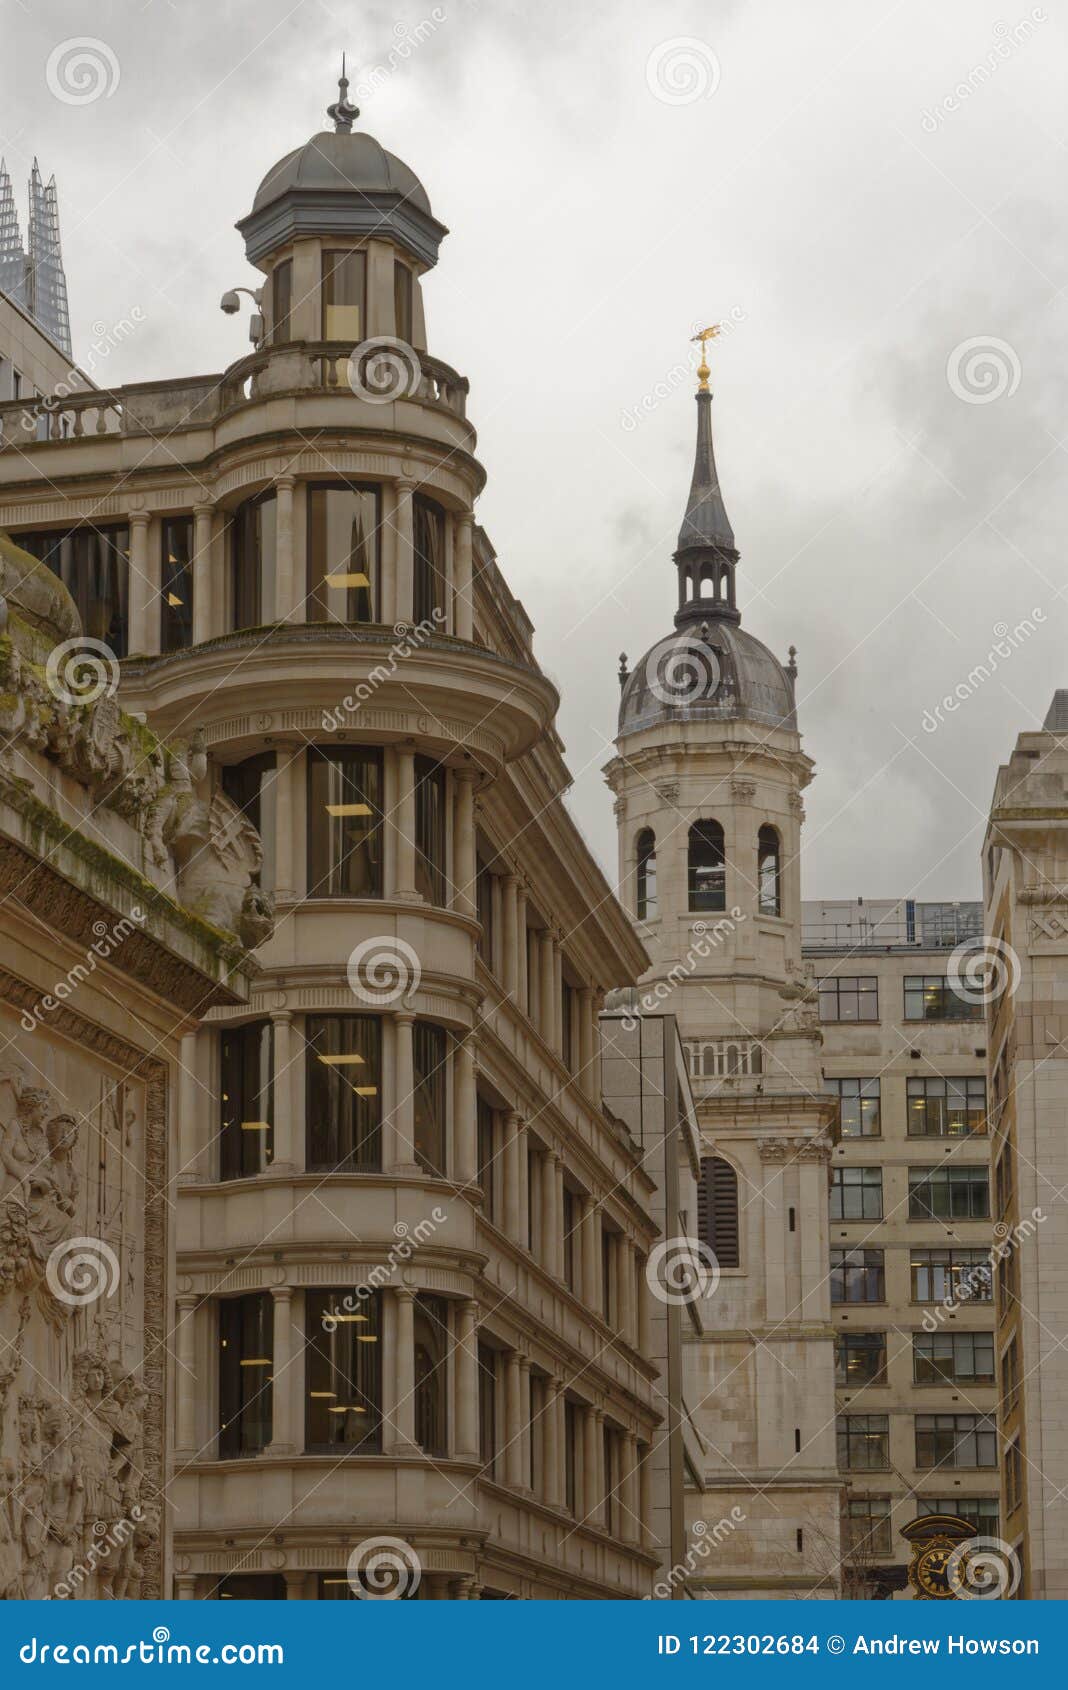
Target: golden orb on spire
[703,371]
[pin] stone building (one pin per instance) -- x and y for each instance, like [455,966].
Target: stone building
[411,1322]
[1025,883]
[708,782]
[110,847]
[904,1056]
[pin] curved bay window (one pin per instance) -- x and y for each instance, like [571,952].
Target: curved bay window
[246,1363]
[717,1210]
[345,823]
[431,1328]
[253,562]
[430,1045]
[176,584]
[343,529]
[343,1093]
[281,302]
[769,871]
[343,1372]
[246,1112]
[429,584]
[94,566]
[250,785]
[430,830]
[707,867]
[646,849]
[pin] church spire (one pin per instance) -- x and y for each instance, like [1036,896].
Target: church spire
[342,111]
[706,556]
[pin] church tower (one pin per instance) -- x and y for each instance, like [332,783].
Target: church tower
[708,779]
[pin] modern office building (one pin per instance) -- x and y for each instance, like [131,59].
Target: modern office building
[904,1056]
[1026,914]
[32,275]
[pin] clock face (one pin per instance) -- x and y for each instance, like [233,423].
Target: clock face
[929,1572]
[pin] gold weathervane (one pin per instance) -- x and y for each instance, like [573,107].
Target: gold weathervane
[703,371]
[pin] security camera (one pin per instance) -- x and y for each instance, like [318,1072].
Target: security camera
[230,302]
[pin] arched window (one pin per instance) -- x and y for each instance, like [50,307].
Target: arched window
[707,867]
[647,905]
[768,875]
[717,1210]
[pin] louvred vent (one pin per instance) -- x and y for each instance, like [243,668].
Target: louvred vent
[717,1209]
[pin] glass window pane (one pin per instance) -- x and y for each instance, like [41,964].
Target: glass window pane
[345,823]
[343,1092]
[176,584]
[343,1370]
[343,553]
[344,281]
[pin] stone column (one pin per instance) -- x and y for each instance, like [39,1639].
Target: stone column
[601,1475]
[625,1287]
[402,1434]
[465,1375]
[285,581]
[143,609]
[463,601]
[521,949]
[190,1114]
[465,1113]
[404,550]
[590,1496]
[589,1065]
[523,1234]
[556,1038]
[556,1266]
[513,1450]
[185,1381]
[774,1230]
[289,877]
[203,552]
[509,937]
[525,1429]
[547,993]
[295,1583]
[402,831]
[591,1254]
[282,1430]
[287,1155]
[628,1522]
[551,1451]
[185,1587]
[464,867]
[645,1494]
[812,1183]
[514,1145]
[399,1128]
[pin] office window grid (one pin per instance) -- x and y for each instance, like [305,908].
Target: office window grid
[849,997]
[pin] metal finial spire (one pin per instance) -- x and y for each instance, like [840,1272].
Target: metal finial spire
[703,371]
[341,111]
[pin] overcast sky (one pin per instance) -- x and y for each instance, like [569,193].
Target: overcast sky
[873,196]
